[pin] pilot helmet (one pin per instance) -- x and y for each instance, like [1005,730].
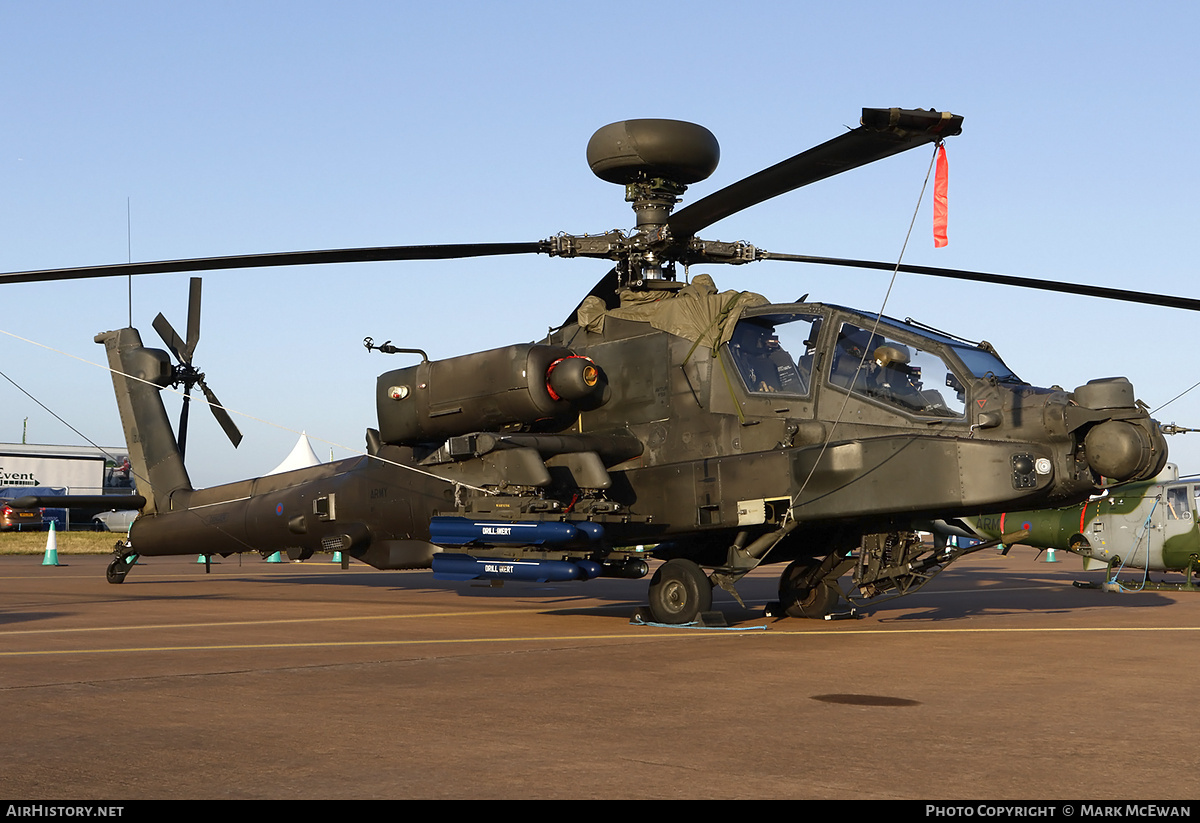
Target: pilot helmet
[891,355]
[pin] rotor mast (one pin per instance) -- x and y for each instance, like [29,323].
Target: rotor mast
[653,201]
[656,160]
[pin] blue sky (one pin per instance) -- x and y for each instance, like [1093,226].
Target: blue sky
[171,130]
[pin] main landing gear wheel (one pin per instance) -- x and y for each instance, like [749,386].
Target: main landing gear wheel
[799,598]
[679,591]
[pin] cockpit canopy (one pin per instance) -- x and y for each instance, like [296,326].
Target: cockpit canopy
[917,371]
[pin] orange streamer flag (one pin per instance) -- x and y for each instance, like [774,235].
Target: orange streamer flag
[940,184]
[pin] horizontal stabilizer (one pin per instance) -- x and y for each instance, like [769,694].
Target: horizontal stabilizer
[79,501]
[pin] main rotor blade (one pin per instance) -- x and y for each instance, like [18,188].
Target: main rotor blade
[231,429]
[607,289]
[174,342]
[884,132]
[1147,298]
[297,258]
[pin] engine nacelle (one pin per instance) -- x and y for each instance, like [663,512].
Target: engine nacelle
[539,388]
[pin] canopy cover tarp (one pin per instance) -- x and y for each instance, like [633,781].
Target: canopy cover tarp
[697,312]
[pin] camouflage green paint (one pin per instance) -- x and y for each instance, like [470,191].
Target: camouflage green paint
[1178,551]
[1123,515]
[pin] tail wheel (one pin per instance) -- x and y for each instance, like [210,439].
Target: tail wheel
[117,571]
[679,591]
[121,564]
[801,598]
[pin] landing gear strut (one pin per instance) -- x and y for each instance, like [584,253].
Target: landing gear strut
[679,592]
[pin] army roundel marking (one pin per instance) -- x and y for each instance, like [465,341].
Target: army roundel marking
[278,508]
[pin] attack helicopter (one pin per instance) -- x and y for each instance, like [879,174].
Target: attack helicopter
[662,420]
[1150,525]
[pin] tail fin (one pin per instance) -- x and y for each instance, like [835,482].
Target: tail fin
[139,375]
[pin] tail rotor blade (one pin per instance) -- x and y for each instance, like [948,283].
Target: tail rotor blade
[174,342]
[183,423]
[223,417]
[193,321]
[186,374]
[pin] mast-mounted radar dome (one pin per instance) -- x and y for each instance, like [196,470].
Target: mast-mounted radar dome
[634,150]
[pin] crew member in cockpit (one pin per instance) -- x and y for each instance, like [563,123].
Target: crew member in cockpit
[893,377]
[790,378]
[764,364]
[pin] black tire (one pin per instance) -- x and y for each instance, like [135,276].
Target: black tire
[679,591]
[117,570]
[801,600]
